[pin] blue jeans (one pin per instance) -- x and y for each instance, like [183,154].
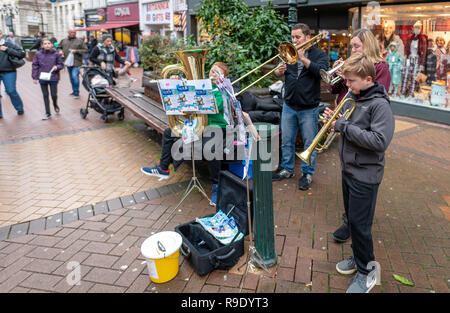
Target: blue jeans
[74,72]
[291,122]
[9,81]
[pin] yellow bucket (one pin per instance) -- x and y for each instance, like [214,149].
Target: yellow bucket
[162,253]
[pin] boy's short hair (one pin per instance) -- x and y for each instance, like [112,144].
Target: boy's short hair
[223,67]
[360,65]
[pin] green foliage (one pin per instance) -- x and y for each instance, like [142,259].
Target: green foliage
[156,51]
[242,37]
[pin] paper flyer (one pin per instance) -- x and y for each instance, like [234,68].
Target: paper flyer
[170,96]
[204,96]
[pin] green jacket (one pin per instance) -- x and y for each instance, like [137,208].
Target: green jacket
[217,119]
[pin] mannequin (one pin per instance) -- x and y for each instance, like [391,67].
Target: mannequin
[416,53]
[431,63]
[395,60]
[440,51]
[389,36]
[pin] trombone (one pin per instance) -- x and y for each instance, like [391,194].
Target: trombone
[287,52]
[305,156]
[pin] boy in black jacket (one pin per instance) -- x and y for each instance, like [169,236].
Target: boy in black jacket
[364,139]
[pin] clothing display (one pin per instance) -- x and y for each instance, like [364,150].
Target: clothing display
[395,60]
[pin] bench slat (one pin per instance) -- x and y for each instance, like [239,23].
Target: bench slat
[145,108]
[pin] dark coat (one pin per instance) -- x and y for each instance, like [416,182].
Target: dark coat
[13,50]
[303,91]
[44,60]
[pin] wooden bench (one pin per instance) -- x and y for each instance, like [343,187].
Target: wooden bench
[144,107]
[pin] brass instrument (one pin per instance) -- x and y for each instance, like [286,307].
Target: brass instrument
[193,67]
[328,76]
[305,156]
[287,52]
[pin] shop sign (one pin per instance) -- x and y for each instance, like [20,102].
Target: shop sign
[158,13]
[123,12]
[33,19]
[179,5]
[326,34]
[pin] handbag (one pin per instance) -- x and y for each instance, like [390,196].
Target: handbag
[16,62]
[46,75]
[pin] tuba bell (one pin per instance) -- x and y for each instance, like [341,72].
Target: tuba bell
[193,67]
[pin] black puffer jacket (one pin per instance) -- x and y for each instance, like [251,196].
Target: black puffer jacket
[13,50]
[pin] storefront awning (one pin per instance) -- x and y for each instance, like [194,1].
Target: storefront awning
[107,26]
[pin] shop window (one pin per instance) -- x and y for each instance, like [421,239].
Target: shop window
[415,41]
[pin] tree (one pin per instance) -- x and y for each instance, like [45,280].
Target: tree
[242,37]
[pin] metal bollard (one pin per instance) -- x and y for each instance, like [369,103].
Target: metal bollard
[263,197]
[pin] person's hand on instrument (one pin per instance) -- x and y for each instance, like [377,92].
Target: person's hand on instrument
[339,71]
[281,70]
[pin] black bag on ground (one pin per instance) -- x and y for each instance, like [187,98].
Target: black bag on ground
[203,250]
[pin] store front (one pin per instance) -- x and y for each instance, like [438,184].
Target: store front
[415,41]
[167,18]
[122,22]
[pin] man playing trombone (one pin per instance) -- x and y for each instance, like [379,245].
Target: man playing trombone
[300,107]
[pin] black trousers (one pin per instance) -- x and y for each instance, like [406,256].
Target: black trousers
[359,203]
[167,159]
[53,92]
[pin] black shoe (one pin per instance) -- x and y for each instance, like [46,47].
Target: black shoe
[305,182]
[342,234]
[282,174]
[56,108]
[46,117]
[20,112]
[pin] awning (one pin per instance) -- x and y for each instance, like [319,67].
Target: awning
[107,26]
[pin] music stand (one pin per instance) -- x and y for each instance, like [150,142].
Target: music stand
[193,183]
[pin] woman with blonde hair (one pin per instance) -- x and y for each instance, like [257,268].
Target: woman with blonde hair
[365,42]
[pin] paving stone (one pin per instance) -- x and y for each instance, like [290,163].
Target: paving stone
[70,216]
[54,221]
[127,201]
[114,204]
[100,208]
[164,191]
[37,226]
[140,197]
[4,232]
[19,230]
[152,194]
[85,212]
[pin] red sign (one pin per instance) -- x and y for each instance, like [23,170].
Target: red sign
[128,12]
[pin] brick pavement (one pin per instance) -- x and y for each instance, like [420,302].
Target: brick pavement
[47,167]
[411,234]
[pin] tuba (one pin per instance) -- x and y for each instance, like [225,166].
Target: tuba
[193,67]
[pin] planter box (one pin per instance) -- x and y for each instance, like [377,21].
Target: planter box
[428,113]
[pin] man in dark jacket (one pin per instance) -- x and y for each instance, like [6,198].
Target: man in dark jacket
[37,43]
[300,107]
[77,47]
[8,72]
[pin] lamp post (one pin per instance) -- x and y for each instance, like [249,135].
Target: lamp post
[9,11]
[292,13]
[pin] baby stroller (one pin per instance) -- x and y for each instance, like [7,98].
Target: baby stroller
[95,80]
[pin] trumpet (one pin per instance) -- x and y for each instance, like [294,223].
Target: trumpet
[305,156]
[328,76]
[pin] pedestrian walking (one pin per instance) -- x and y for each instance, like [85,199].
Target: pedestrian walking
[14,40]
[45,69]
[364,138]
[8,73]
[104,55]
[37,43]
[73,48]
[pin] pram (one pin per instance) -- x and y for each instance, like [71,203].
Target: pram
[95,80]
